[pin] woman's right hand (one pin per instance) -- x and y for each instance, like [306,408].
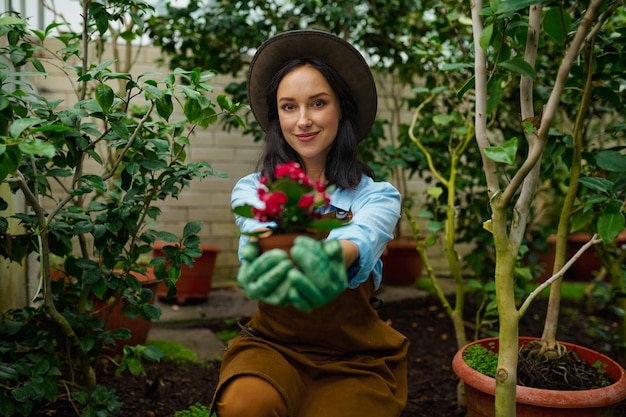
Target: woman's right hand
[264,277]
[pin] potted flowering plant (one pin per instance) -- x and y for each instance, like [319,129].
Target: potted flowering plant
[293,204]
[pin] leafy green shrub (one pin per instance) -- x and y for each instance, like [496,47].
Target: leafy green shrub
[91,173]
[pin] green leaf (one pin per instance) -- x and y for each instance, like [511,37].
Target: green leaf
[8,373]
[94,181]
[164,106]
[435,192]
[7,405]
[104,97]
[22,393]
[20,125]
[244,211]
[557,25]
[166,236]
[192,228]
[485,36]
[38,65]
[504,153]
[443,119]
[38,147]
[519,66]
[152,93]
[120,129]
[494,90]
[326,224]
[192,110]
[12,20]
[224,102]
[599,184]
[151,312]
[10,160]
[610,225]
[611,160]
[508,7]
[153,353]
[466,87]
[455,66]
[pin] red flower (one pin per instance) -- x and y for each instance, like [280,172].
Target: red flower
[274,203]
[306,201]
[290,169]
[292,201]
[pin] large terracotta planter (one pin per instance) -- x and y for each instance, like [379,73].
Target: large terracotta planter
[402,263]
[194,283]
[138,326]
[534,402]
[110,311]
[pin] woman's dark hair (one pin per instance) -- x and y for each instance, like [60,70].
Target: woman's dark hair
[344,169]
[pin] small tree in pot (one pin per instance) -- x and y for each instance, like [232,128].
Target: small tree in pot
[494,30]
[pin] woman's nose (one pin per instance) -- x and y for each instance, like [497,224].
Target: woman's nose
[304,120]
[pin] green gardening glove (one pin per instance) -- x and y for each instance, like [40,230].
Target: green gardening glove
[322,265]
[264,277]
[303,294]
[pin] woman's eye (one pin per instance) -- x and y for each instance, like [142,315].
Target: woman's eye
[288,106]
[318,103]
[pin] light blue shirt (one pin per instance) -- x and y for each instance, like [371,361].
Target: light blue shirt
[375,210]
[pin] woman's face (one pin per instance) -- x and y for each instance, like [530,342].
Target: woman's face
[309,114]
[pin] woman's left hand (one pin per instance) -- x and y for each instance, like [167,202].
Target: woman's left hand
[322,265]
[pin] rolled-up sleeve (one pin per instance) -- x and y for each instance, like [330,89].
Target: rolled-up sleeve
[245,192]
[375,210]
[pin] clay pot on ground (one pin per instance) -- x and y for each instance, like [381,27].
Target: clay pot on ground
[585,268]
[138,326]
[402,263]
[534,402]
[111,313]
[194,283]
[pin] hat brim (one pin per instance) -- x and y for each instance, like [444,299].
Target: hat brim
[277,51]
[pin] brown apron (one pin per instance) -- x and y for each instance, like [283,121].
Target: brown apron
[340,360]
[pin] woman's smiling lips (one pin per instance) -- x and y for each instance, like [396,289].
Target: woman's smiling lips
[306,137]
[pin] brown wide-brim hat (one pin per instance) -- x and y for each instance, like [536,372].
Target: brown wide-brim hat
[277,51]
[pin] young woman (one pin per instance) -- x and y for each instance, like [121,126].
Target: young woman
[315,97]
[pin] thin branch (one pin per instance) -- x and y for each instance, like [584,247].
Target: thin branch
[595,239]
[130,142]
[580,39]
[480,117]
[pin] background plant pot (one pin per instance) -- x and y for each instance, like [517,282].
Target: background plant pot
[402,263]
[138,326]
[585,268]
[194,283]
[534,402]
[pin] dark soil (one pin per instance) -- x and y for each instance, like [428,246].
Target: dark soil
[432,383]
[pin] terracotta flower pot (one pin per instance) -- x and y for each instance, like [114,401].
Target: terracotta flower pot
[402,263]
[282,241]
[138,326]
[534,402]
[585,268]
[194,283]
